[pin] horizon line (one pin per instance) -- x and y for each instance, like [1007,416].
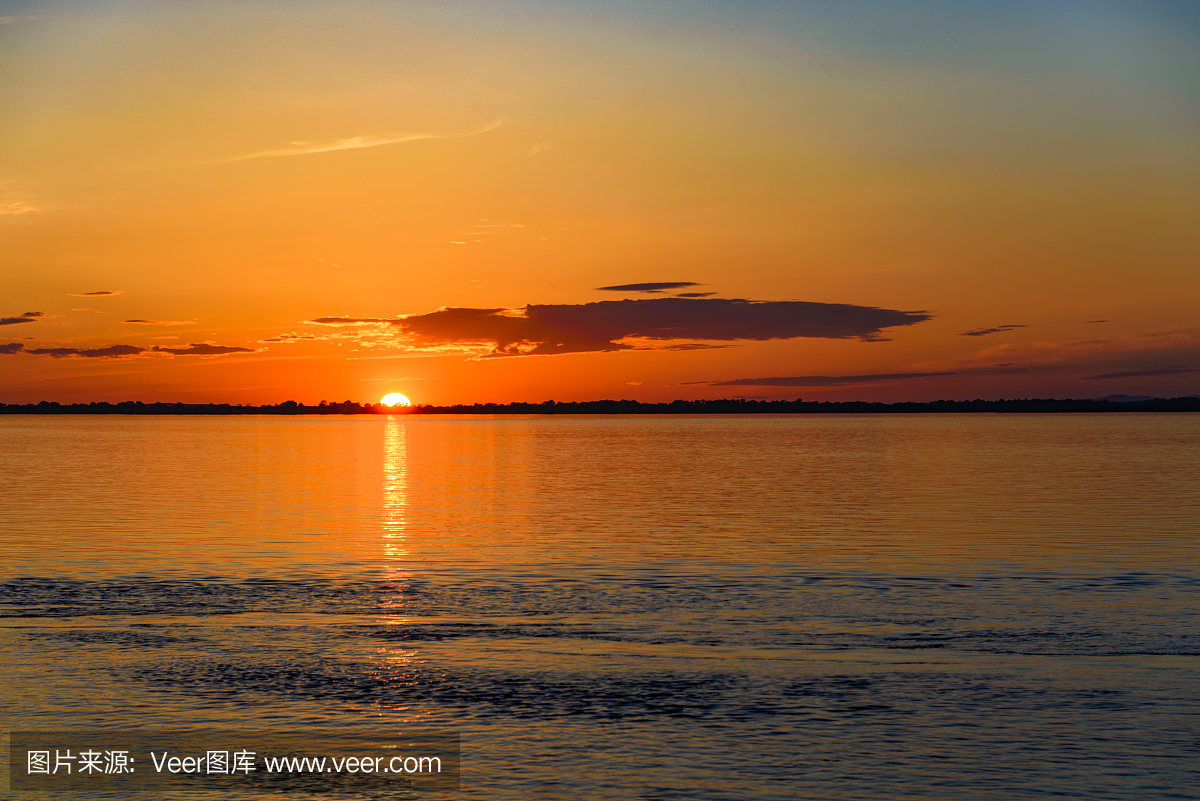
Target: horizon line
[716,405]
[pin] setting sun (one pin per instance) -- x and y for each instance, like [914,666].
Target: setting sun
[395,399]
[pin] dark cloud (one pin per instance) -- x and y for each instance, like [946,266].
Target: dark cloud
[99,294]
[1097,321]
[108,352]
[979,332]
[553,329]
[693,346]
[1141,373]
[27,317]
[121,351]
[695,294]
[649,289]
[817,380]
[201,349]
[1012,368]
[159,322]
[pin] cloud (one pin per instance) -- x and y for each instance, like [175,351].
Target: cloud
[13,202]
[98,294]
[817,380]
[604,325]
[354,320]
[483,228]
[1097,321]
[652,288]
[158,322]
[27,317]
[1100,357]
[692,346]
[16,207]
[979,332]
[1139,373]
[292,337]
[126,351]
[107,352]
[695,294]
[201,349]
[356,143]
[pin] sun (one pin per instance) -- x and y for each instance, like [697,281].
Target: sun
[395,399]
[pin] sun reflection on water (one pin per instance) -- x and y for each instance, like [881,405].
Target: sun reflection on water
[395,486]
[393,513]
[395,666]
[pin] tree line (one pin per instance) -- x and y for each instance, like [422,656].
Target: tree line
[722,406]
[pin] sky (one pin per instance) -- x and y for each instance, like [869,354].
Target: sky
[251,202]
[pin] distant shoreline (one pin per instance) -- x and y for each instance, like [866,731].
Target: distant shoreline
[727,406]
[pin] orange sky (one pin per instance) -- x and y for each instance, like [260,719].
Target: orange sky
[1025,178]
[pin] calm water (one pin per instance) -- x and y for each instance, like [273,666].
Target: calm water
[924,607]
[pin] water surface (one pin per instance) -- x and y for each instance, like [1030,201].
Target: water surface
[926,607]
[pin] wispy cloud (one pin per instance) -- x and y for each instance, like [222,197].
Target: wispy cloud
[292,337]
[1140,373]
[817,380]
[14,203]
[356,143]
[484,227]
[353,321]
[979,332]
[158,322]
[16,207]
[102,293]
[1126,356]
